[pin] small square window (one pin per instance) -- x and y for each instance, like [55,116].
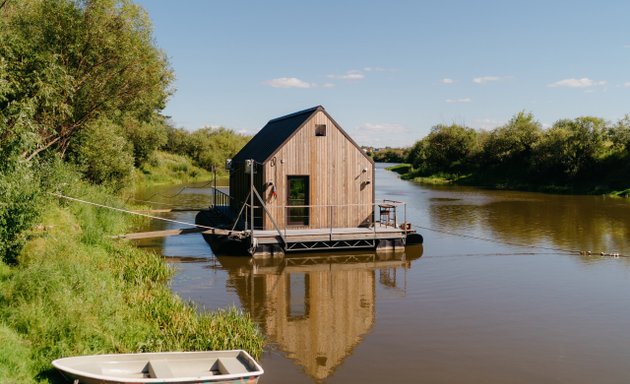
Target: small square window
[320,130]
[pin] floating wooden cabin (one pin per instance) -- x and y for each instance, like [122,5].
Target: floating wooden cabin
[302,183]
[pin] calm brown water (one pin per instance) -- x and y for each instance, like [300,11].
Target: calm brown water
[516,309]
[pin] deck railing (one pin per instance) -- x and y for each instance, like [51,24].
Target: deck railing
[220,198]
[381,214]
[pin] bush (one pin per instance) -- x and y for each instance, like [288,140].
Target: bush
[208,147]
[19,208]
[103,154]
[145,138]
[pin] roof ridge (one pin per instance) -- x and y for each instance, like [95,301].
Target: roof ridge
[308,110]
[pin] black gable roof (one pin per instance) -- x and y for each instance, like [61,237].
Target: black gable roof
[273,135]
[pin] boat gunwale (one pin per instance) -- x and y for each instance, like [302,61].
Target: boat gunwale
[58,364]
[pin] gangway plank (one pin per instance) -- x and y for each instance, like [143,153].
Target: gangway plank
[179,231]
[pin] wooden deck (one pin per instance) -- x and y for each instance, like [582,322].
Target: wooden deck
[329,234]
[261,242]
[268,242]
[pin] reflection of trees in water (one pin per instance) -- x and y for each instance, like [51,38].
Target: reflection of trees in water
[568,222]
[314,308]
[454,216]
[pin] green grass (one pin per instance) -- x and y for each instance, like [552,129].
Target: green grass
[623,193]
[76,291]
[432,180]
[401,169]
[168,168]
[15,362]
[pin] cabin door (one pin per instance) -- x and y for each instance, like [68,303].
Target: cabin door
[298,200]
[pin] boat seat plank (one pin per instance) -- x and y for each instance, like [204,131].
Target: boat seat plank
[231,366]
[159,369]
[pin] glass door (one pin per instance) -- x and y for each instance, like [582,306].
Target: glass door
[297,200]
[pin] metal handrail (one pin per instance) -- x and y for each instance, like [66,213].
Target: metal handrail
[331,213]
[392,202]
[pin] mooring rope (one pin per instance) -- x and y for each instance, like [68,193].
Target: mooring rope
[554,249]
[489,254]
[129,212]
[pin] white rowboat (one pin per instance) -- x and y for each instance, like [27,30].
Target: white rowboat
[211,367]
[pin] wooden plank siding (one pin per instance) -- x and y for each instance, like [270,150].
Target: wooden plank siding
[341,193]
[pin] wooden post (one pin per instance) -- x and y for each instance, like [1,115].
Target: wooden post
[331,222]
[214,175]
[251,197]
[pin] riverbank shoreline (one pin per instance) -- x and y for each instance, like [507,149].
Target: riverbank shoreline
[406,172]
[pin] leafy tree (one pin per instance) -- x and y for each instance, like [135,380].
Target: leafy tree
[78,77]
[208,147]
[417,156]
[103,154]
[571,148]
[178,140]
[19,208]
[619,136]
[145,137]
[390,155]
[508,149]
[449,148]
[66,63]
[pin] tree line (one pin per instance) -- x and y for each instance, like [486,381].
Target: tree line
[585,154]
[82,87]
[388,155]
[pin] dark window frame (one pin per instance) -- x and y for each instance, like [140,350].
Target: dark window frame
[302,212]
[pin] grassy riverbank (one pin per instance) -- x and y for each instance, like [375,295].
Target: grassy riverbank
[73,290]
[169,168]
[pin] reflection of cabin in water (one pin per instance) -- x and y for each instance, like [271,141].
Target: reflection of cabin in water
[309,172]
[301,184]
[318,307]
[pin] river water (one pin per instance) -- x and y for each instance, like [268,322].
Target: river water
[500,294]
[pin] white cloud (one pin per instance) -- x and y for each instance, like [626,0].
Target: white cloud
[211,126]
[384,128]
[459,101]
[485,79]
[486,123]
[328,85]
[359,74]
[626,84]
[350,75]
[381,134]
[627,46]
[380,69]
[584,82]
[288,82]
[447,80]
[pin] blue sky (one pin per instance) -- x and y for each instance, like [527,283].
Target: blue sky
[387,71]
